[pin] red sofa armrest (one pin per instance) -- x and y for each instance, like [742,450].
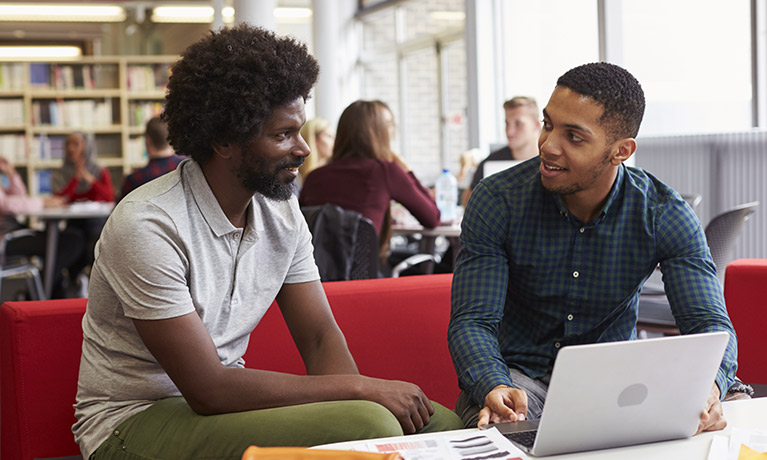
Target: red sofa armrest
[745,294]
[39,362]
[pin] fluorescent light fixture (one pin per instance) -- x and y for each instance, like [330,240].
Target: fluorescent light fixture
[35,53]
[294,13]
[448,15]
[61,12]
[204,14]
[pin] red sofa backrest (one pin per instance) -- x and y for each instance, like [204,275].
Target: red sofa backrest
[745,294]
[395,328]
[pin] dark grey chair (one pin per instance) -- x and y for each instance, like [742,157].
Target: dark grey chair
[723,232]
[20,266]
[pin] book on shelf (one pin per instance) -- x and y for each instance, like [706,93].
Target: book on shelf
[11,112]
[12,147]
[40,74]
[43,185]
[11,76]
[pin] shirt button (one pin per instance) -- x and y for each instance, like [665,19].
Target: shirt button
[582,230]
[576,274]
[569,317]
[236,235]
[557,345]
[117,432]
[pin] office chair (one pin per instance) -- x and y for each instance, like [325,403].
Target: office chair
[19,266]
[723,231]
[693,199]
[345,243]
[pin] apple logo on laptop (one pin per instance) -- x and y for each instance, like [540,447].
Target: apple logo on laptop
[632,395]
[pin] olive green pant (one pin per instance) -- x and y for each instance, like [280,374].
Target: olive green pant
[170,429]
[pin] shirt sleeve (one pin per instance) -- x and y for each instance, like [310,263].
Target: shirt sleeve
[478,296]
[408,190]
[15,200]
[136,233]
[693,289]
[102,190]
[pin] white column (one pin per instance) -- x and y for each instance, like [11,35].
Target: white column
[255,12]
[335,49]
[218,19]
[482,69]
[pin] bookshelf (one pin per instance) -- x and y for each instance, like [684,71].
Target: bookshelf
[41,103]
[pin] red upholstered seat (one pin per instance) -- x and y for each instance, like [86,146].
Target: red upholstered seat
[396,328]
[745,294]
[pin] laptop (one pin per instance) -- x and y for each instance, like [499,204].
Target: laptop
[493,167]
[623,393]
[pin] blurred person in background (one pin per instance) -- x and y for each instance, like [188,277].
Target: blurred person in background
[14,200]
[162,157]
[364,174]
[319,136]
[523,126]
[82,179]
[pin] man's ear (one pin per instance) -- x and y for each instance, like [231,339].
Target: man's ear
[624,148]
[224,150]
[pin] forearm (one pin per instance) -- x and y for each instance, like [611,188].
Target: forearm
[329,355]
[236,390]
[477,360]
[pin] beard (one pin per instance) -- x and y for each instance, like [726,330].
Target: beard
[593,174]
[256,177]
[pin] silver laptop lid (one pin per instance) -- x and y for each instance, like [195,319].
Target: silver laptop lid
[624,393]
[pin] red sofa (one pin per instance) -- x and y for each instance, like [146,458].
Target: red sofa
[396,328]
[745,294]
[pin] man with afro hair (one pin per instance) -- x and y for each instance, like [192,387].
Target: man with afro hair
[555,251]
[189,263]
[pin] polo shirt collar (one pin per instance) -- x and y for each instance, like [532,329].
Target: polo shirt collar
[208,204]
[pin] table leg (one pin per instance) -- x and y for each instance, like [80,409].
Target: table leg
[51,243]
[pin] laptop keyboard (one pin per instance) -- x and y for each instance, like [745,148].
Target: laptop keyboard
[524,438]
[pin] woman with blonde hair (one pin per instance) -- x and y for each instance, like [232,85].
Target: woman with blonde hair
[318,135]
[364,174]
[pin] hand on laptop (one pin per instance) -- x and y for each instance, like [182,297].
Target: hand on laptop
[712,419]
[503,404]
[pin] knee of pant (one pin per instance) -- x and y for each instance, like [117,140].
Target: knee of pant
[375,421]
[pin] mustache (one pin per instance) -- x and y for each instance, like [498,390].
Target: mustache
[288,163]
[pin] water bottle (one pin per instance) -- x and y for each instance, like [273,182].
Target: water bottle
[446,189]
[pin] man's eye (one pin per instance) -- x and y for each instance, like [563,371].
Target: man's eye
[575,138]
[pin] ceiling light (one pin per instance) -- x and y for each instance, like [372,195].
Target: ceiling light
[34,53]
[204,14]
[447,15]
[60,12]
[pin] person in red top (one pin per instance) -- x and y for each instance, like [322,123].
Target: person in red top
[364,174]
[82,179]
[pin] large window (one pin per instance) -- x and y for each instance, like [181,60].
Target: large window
[414,60]
[693,59]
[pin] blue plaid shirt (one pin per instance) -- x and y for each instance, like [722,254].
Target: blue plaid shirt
[532,278]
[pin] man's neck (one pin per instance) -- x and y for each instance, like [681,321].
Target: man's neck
[231,196]
[164,153]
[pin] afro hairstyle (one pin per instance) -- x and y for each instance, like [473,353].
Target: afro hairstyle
[226,86]
[615,89]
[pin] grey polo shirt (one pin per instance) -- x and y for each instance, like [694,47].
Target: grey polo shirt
[168,250]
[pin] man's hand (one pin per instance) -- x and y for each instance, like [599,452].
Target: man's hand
[405,400]
[712,419]
[503,404]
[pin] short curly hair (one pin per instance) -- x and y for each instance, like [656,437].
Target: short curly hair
[615,89]
[224,87]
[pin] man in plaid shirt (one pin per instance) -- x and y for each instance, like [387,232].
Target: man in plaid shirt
[554,252]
